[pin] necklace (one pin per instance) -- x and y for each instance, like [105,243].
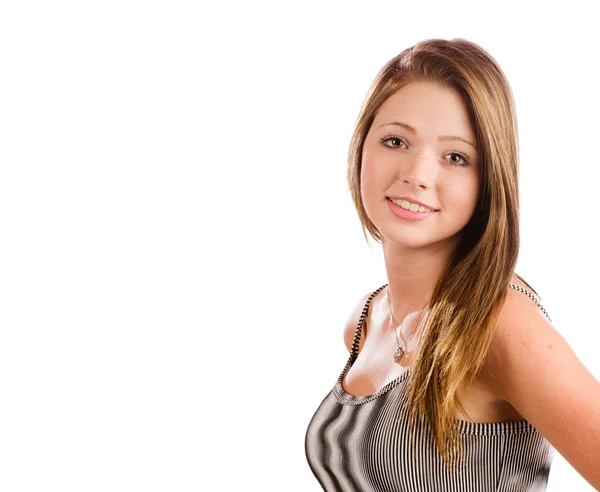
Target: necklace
[400,351]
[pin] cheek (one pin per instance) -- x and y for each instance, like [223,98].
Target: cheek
[366,178]
[467,199]
[370,186]
[372,176]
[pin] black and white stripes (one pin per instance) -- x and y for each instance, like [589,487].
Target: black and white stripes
[362,443]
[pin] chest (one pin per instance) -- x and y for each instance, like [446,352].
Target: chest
[374,368]
[356,443]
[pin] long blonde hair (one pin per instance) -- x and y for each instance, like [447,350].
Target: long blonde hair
[470,291]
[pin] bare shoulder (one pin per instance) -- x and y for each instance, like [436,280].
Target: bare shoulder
[535,370]
[352,321]
[522,328]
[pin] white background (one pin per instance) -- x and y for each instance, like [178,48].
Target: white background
[179,251]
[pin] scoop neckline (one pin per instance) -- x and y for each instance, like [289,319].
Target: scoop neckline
[464,426]
[359,400]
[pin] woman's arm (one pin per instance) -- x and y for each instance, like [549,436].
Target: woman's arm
[537,372]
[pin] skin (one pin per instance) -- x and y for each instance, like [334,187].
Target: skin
[531,373]
[428,169]
[413,161]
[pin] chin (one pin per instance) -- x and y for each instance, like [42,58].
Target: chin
[414,240]
[408,240]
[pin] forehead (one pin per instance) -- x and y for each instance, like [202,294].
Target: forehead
[432,109]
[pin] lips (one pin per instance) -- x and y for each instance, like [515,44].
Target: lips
[407,214]
[410,200]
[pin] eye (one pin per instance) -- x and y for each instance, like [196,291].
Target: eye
[463,160]
[396,141]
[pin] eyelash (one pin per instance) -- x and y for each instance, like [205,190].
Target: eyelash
[465,157]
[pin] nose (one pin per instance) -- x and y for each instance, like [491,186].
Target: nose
[418,171]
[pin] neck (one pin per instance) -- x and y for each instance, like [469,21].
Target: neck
[412,275]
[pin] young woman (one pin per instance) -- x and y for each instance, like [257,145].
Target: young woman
[457,379]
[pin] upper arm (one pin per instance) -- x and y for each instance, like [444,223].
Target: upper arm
[352,322]
[538,373]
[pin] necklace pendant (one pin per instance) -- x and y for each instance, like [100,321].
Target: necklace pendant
[398,354]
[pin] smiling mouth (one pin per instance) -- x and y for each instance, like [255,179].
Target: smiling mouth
[413,207]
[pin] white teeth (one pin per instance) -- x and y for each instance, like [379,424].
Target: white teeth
[411,206]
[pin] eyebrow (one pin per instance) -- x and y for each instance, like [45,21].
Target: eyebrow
[442,138]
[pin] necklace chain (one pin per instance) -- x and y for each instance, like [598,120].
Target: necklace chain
[400,351]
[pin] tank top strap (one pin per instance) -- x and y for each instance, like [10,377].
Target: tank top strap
[532,296]
[361,322]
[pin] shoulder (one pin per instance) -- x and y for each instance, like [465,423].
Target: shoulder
[522,330]
[353,320]
[535,370]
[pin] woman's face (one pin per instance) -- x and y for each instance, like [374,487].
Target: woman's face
[420,149]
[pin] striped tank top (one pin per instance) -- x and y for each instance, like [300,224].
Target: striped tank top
[361,443]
